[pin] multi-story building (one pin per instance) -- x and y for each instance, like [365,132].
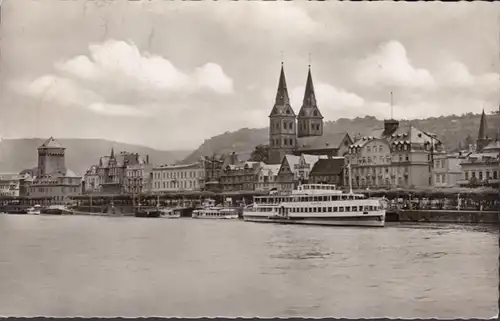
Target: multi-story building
[53,179]
[447,171]
[240,177]
[394,156]
[267,178]
[482,167]
[109,176]
[188,177]
[328,171]
[138,177]
[92,181]
[287,174]
[304,167]
[291,134]
[213,169]
[10,184]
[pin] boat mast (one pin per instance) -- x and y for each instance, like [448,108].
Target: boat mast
[350,177]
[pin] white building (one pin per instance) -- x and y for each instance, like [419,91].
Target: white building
[169,178]
[138,178]
[447,171]
[10,184]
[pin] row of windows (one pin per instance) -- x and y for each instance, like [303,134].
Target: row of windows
[314,126]
[286,142]
[48,190]
[323,198]
[184,174]
[286,125]
[172,184]
[135,173]
[333,209]
[480,175]
[379,170]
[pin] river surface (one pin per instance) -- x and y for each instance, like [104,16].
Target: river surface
[126,266]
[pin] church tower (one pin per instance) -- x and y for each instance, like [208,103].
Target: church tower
[282,127]
[310,120]
[51,158]
[482,139]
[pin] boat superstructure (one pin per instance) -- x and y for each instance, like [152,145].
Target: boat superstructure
[35,210]
[210,211]
[319,204]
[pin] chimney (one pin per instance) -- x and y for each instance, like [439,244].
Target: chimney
[390,126]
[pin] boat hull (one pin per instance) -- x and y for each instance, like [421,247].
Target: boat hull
[365,220]
[225,217]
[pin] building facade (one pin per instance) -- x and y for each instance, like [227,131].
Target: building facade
[11,184]
[394,156]
[213,169]
[240,177]
[53,179]
[92,181]
[267,178]
[138,177]
[482,167]
[447,171]
[171,178]
[291,134]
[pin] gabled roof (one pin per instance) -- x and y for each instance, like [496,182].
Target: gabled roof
[51,143]
[331,141]
[493,146]
[328,166]
[292,160]
[270,169]
[310,159]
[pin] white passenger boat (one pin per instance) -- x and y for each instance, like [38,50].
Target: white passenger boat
[210,211]
[317,204]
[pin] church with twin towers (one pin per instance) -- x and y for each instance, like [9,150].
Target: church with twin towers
[303,133]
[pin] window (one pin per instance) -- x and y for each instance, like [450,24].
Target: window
[495,175]
[368,149]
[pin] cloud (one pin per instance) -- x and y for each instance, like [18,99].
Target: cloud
[456,75]
[390,66]
[121,63]
[332,101]
[66,92]
[116,79]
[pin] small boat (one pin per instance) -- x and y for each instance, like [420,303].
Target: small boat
[56,210]
[210,211]
[18,210]
[35,210]
[169,213]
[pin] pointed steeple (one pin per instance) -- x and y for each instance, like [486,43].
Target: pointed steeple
[282,92]
[309,95]
[282,101]
[112,153]
[309,105]
[482,127]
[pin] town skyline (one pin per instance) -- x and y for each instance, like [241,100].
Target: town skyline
[169,76]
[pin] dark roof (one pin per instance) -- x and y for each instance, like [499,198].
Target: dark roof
[282,105]
[331,141]
[309,104]
[329,166]
[51,143]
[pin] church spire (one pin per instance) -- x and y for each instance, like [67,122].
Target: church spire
[309,95]
[112,153]
[482,126]
[282,92]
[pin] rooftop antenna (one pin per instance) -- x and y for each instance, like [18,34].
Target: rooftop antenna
[392,107]
[281,56]
[309,60]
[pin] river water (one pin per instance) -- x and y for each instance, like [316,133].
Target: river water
[105,266]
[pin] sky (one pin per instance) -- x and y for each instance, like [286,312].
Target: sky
[170,74]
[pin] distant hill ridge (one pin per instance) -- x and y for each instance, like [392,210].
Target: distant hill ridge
[451,130]
[81,153]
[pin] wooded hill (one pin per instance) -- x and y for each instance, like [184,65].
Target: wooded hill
[451,130]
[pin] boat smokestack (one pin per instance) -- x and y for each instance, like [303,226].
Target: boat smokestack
[350,177]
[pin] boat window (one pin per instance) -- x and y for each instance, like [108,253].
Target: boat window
[329,209]
[324,209]
[354,208]
[341,208]
[347,208]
